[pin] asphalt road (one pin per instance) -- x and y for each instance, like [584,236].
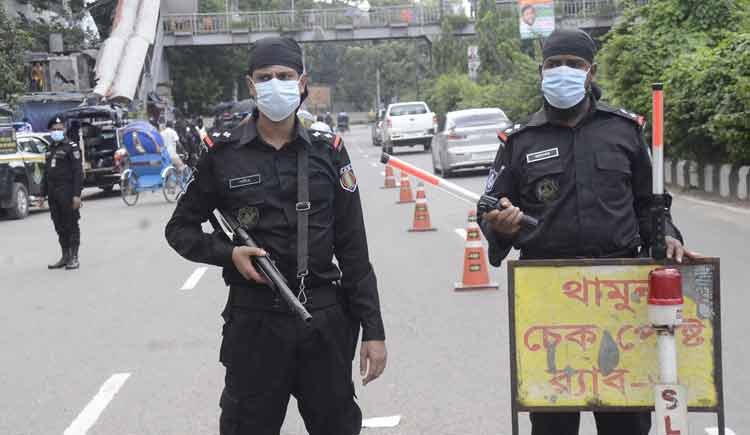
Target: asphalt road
[124,320]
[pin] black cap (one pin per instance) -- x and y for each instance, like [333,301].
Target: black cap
[276,51]
[570,41]
[56,120]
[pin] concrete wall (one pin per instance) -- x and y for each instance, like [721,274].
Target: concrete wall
[723,180]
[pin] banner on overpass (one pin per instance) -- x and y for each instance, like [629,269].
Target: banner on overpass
[536,18]
[581,339]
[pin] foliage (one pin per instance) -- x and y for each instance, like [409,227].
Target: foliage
[695,48]
[449,52]
[709,101]
[204,76]
[13,42]
[509,78]
[74,37]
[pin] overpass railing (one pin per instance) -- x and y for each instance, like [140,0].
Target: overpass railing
[312,19]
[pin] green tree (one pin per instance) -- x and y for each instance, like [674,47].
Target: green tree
[204,76]
[695,48]
[449,52]
[14,41]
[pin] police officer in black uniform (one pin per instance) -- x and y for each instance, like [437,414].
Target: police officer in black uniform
[583,169]
[62,184]
[295,192]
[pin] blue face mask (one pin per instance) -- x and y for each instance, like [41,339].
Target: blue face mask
[563,86]
[278,99]
[57,135]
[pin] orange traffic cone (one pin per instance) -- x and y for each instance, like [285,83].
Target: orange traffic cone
[390,178]
[405,196]
[476,276]
[421,214]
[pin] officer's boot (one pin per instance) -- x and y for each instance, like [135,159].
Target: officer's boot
[73,258]
[62,261]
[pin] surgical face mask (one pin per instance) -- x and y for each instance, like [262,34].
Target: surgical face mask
[277,99]
[563,86]
[57,135]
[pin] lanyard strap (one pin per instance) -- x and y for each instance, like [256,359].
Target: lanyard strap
[302,208]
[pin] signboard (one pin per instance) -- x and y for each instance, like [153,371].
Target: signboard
[580,337]
[318,98]
[8,140]
[473,61]
[536,18]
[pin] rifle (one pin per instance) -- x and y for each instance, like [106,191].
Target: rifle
[264,265]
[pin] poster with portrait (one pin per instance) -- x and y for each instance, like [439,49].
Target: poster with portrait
[536,18]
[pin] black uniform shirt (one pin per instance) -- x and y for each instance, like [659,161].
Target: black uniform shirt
[589,186]
[62,168]
[243,175]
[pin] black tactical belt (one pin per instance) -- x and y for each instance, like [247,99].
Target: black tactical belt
[264,299]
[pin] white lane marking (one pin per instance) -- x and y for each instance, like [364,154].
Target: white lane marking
[365,155]
[382,173]
[461,233]
[375,165]
[390,421]
[93,410]
[714,204]
[715,431]
[193,279]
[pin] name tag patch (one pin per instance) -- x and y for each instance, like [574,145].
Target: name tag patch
[247,180]
[542,155]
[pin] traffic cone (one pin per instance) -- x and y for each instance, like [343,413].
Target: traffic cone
[390,178]
[475,276]
[405,196]
[421,214]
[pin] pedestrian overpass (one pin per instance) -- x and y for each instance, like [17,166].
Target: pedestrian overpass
[181,26]
[354,24]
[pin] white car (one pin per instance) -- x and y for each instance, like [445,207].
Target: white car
[469,140]
[408,124]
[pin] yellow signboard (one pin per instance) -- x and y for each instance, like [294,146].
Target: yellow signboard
[581,337]
[7,140]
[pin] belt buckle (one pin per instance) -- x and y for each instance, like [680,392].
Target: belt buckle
[302,206]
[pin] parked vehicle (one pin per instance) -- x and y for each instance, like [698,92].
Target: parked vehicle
[408,124]
[21,171]
[377,128]
[94,129]
[469,140]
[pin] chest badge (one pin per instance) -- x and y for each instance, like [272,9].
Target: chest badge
[248,217]
[247,180]
[347,178]
[547,190]
[542,155]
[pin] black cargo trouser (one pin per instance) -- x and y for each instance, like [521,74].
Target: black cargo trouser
[60,200]
[271,355]
[607,423]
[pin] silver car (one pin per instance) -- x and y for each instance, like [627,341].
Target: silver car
[469,140]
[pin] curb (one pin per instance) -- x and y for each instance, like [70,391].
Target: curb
[725,180]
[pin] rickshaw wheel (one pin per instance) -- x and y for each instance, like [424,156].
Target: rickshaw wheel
[171,185]
[129,188]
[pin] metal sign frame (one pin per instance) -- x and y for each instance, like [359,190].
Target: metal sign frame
[716,324]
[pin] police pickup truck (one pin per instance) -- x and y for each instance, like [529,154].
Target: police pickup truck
[21,171]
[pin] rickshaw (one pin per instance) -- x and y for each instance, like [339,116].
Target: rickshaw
[146,164]
[342,122]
